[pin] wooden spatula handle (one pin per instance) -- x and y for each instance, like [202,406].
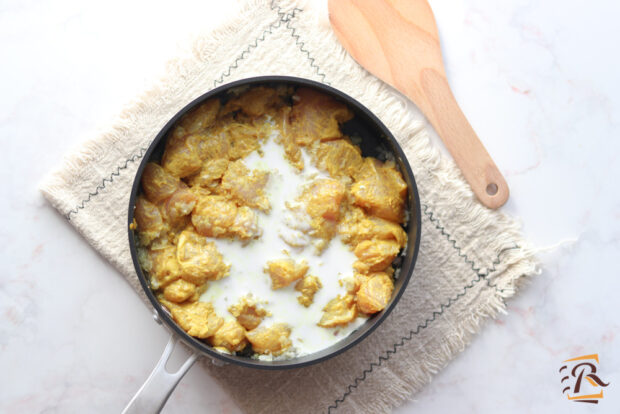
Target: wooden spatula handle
[446,116]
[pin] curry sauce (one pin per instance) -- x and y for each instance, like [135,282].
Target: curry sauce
[264,230]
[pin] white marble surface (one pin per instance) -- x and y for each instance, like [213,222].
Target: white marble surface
[538,81]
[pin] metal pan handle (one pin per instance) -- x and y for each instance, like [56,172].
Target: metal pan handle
[154,393]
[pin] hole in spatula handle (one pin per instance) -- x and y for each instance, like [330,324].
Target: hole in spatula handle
[492,189]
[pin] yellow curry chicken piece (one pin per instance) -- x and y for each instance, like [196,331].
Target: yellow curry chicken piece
[199,259]
[240,138]
[149,221]
[353,282]
[200,192]
[179,291]
[231,336]
[182,156]
[157,183]
[198,120]
[283,272]
[315,116]
[255,102]
[216,147]
[340,158]
[212,170]
[375,255]
[215,216]
[375,293]
[308,286]
[380,190]
[248,314]
[245,226]
[338,311]
[270,340]
[185,148]
[179,206]
[356,227]
[169,193]
[322,199]
[246,187]
[196,318]
[162,266]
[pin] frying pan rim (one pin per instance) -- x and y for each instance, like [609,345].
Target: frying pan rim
[162,316]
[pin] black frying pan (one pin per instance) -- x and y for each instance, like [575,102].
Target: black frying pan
[376,140]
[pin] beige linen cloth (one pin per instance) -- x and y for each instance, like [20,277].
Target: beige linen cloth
[471,259]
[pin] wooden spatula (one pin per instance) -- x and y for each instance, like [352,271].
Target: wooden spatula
[397,41]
